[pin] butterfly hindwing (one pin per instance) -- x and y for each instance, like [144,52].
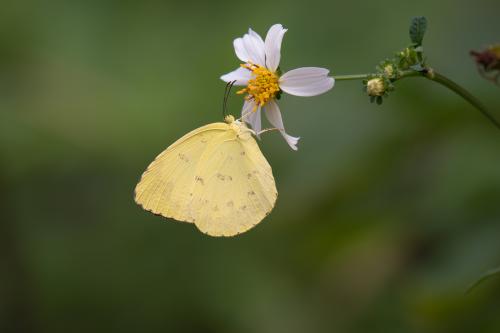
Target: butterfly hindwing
[237,189]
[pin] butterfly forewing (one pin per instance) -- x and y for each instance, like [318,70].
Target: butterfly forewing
[166,186]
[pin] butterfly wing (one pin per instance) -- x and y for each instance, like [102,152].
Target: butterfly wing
[236,188]
[212,177]
[166,186]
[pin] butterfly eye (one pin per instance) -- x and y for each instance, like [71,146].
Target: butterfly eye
[229,119]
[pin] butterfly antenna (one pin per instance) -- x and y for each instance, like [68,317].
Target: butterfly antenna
[227,91]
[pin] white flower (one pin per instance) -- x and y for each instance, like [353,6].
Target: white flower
[260,74]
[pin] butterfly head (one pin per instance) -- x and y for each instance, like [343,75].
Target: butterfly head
[239,127]
[229,119]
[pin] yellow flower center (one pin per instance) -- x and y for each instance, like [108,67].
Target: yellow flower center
[263,87]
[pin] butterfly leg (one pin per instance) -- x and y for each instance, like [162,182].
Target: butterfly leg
[268,130]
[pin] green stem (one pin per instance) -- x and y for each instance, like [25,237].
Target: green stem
[443,80]
[351,77]
[484,277]
[366,76]
[436,77]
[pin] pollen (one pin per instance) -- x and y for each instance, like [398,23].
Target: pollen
[262,87]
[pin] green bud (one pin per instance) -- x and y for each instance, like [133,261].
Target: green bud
[389,70]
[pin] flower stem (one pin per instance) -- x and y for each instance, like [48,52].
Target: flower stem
[366,76]
[443,80]
[351,77]
[436,77]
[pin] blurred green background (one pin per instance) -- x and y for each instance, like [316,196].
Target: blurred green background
[384,216]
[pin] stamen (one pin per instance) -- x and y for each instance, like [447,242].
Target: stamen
[262,88]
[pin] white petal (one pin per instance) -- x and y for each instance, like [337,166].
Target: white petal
[240,75]
[260,47]
[250,48]
[273,46]
[255,35]
[250,116]
[273,114]
[306,81]
[254,47]
[240,50]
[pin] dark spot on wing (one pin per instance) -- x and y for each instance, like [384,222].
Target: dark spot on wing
[251,193]
[199,179]
[223,177]
[242,153]
[183,157]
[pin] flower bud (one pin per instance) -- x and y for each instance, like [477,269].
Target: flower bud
[375,87]
[389,70]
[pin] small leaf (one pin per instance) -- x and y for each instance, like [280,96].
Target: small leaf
[417,29]
[484,277]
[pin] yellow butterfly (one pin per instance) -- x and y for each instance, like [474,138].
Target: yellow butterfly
[215,177]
